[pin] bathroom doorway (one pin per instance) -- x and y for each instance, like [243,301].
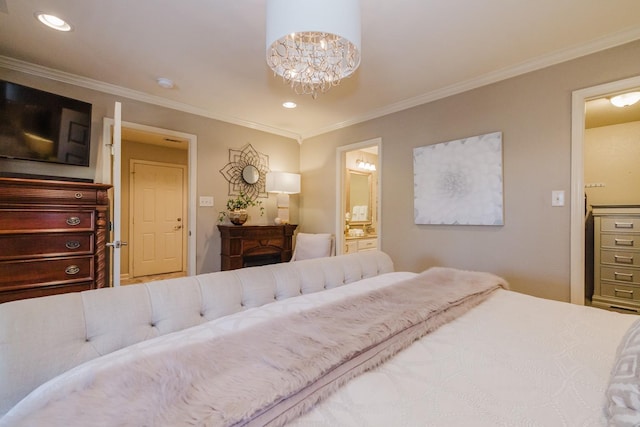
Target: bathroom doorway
[358,214]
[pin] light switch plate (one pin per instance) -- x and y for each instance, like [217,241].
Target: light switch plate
[206,201]
[557,198]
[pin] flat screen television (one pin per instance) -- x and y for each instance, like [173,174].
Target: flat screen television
[42,126]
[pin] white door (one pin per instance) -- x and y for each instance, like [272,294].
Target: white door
[116,243]
[157,206]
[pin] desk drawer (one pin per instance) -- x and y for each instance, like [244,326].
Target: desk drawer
[45,245]
[620,224]
[17,274]
[366,244]
[626,241]
[617,290]
[620,258]
[33,221]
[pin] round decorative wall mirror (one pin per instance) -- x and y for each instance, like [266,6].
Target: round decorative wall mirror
[246,171]
[250,174]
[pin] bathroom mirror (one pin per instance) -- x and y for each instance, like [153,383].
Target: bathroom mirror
[358,192]
[250,174]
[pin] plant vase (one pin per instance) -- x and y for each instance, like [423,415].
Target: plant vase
[238,216]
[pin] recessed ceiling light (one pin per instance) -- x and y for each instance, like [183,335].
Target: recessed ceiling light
[289,104]
[165,82]
[53,21]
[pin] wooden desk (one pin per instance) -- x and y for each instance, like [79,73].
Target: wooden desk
[250,245]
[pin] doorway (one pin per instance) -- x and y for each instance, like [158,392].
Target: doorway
[578,241]
[156,211]
[359,201]
[149,139]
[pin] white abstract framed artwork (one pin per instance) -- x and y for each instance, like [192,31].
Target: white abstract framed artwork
[459,182]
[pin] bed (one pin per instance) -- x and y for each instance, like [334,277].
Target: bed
[502,358]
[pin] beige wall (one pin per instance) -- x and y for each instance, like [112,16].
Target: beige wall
[215,138]
[533,111]
[611,155]
[532,249]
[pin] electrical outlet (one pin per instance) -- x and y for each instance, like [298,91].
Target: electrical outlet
[206,201]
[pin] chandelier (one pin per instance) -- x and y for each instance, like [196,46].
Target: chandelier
[313,44]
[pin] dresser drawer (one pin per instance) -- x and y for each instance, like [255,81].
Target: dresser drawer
[628,241]
[33,221]
[620,258]
[17,274]
[620,274]
[620,291]
[620,224]
[46,193]
[35,291]
[41,245]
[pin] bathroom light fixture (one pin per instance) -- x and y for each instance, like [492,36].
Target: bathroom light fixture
[165,82]
[625,99]
[53,21]
[283,183]
[312,44]
[361,164]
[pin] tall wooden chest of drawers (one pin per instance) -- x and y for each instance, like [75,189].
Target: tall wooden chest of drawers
[52,237]
[616,257]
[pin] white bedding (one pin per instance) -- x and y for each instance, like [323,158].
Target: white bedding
[513,360]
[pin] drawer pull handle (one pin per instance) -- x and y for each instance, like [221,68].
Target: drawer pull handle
[623,259]
[72,269]
[623,225]
[72,244]
[73,220]
[623,276]
[625,293]
[623,242]
[78,195]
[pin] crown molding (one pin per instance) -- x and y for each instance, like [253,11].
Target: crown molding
[64,77]
[610,41]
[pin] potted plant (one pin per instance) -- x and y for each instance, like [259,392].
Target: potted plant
[237,208]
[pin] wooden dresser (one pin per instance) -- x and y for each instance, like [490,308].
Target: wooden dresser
[250,245]
[616,263]
[52,237]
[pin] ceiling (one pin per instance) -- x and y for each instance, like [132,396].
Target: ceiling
[413,51]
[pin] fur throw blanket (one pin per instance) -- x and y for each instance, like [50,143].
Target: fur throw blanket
[271,372]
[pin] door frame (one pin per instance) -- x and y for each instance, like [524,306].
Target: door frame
[185,189]
[104,174]
[341,168]
[579,97]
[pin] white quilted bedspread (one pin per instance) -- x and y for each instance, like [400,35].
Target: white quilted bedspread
[514,360]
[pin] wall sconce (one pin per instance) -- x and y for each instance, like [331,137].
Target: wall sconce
[282,183]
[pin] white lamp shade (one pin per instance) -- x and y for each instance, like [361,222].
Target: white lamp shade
[283,182]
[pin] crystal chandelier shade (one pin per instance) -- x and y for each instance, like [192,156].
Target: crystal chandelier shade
[313,45]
